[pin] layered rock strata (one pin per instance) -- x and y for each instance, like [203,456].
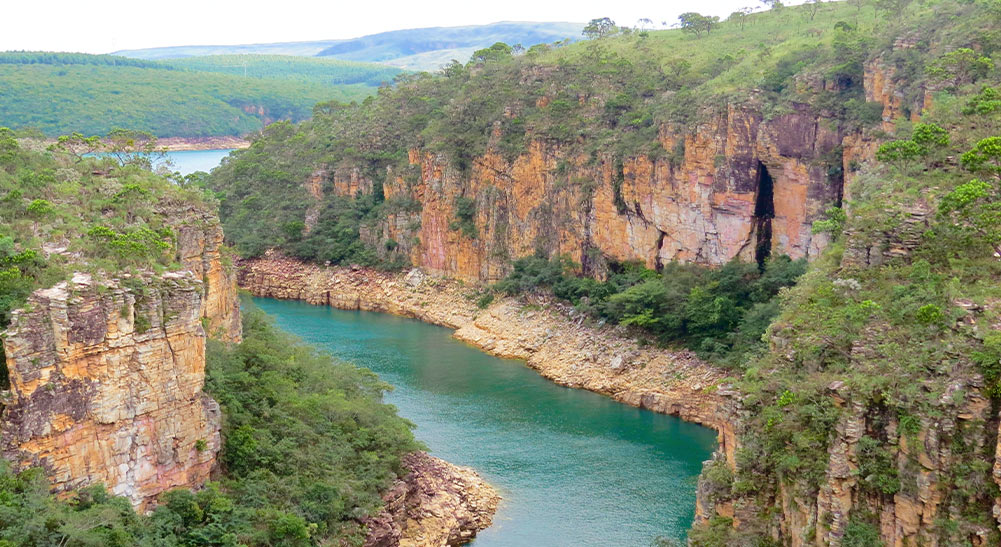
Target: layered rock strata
[435,504]
[200,249]
[106,375]
[106,386]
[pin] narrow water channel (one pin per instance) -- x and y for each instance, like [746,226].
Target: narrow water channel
[575,468]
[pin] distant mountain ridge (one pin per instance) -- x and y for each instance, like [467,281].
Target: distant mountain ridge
[413,49]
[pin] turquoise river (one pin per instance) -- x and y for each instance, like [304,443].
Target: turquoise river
[575,468]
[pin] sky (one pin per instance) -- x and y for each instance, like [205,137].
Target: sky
[103,26]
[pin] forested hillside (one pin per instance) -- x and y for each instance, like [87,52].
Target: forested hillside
[58,93]
[287,67]
[860,136]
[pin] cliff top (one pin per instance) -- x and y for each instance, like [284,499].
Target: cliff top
[63,211]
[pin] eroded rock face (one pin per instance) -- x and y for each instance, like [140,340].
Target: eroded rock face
[106,386]
[737,186]
[200,249]
[436,504]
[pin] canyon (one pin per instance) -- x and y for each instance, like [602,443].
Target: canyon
[562,345]
[106,387]
[743,185]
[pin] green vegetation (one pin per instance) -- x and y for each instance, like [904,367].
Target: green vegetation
[92,214]
[313,70]
[721,313]
[604,99]
[93,94]
[308,448]
[903,335]
[891,328]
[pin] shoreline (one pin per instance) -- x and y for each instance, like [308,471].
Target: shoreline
[184,144]
[550,337]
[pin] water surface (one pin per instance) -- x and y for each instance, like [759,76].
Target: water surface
[189,161]
[575,468]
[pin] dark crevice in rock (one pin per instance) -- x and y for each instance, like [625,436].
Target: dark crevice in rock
[764,212]
[659,264]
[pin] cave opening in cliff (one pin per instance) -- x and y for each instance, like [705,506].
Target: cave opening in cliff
[764,212]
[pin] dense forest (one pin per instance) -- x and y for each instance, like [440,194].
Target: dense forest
[612,96]
[608,96]
[61,93]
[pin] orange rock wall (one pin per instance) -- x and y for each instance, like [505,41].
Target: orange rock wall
[106,387]
[106,375]
[697,206]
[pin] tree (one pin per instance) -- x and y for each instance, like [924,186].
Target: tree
[77,145]
[976,207]
[697,23]
[739,17]
[985,158]
[900,153]
[131,147]
[929,136]
[497,52]
[962,66]
[599,28]
[813,6]
[644,23]
[986,102]
[677,67]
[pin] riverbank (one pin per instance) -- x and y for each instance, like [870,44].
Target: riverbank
[553,339]
[436,504]
[183,144]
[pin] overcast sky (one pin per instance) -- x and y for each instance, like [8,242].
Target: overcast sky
[102,26]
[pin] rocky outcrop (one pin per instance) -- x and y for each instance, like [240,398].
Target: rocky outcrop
[106,375]
[559,343]
[106,386]
[435,504]
[739,185]
[200,250]
[202,143]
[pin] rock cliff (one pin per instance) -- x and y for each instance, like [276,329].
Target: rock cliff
[106,375]
[436,504]
[106,386]
[737,186]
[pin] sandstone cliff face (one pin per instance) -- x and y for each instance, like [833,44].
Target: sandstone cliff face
[106,386]
[106,376]
[737,186]
[436,504]
[561,345]
[200,250]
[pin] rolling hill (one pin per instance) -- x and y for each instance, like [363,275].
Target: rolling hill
[412,49]
[58,93]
